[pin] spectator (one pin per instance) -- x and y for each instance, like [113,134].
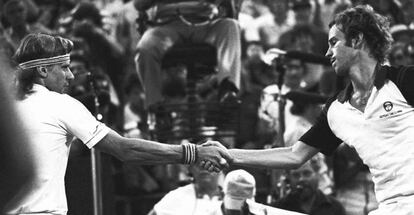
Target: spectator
[353,182]
[253,16]
[329,8]
[134,109]
[256,75]
[271,31]
[7,65]
[304,195]
[239,186]
[399,55]
[269,107]
[407,6]
[106,53]
[402,33]
[15,13]
[169,29]
[305,111]
[89,82]
[306,36]
[202,196]
[389,8]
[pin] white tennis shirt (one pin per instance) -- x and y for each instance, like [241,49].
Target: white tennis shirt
[52,120]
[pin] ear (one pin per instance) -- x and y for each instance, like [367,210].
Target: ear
[42,71]
[358,41]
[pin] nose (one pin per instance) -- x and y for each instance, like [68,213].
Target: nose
[328,53]
[69,75]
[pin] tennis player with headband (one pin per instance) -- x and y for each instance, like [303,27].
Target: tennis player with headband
[53,119]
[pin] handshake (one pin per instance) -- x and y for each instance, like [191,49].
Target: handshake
[213,156]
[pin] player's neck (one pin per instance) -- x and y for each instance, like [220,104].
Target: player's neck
[362,74]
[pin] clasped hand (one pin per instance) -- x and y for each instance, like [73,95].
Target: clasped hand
[213,156]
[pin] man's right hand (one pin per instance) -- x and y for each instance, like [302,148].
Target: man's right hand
[213,156]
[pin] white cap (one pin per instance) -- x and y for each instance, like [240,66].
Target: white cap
[238,186]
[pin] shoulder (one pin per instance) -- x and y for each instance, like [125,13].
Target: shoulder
[397,73]
[65,107]
[184,190]
[170,204]
[340,96]
[65,102]
[403,78]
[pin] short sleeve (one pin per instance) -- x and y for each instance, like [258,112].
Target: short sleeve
[320,134]
[403,77]
[79,122]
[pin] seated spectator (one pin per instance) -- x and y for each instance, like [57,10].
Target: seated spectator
[177,22]
[269,108]
[306,36]
[400,55]
[89,83]
[105,53]
[280,23]
[134,110]
[15,13]
[407,6]
[304,195]
[7,65]
[203,196]
[389,8]
[239,186]
[305,111]
[256,75]
[402,33]
[353,182]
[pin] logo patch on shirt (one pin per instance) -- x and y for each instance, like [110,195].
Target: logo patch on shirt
[388,106]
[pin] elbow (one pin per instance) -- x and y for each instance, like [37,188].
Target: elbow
[297,160]
[296,164]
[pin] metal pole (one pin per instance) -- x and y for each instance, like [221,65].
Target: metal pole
[277,179]
[96,181]
[96,159]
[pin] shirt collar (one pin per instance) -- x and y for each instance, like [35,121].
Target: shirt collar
[38,88]
[380,75]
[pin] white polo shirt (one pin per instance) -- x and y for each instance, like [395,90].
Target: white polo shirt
[383,135]
[183,201]
[52,120]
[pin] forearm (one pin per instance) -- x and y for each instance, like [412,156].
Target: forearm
[140,150]
[277,158]
[149,152]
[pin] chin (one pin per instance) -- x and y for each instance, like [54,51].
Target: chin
[64,90]
[340,71]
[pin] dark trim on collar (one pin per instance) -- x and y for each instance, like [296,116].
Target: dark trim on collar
[345,94]
[380,74]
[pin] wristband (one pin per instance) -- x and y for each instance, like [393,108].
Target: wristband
[190,153]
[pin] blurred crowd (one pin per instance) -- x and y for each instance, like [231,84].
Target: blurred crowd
[105,34]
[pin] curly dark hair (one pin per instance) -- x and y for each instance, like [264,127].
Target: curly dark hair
[374,27]
[37,46]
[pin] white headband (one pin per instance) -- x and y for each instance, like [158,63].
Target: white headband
[45,61]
